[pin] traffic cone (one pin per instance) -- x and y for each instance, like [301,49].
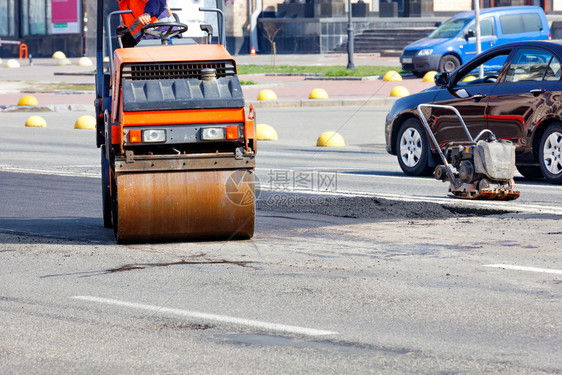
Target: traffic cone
[253,52]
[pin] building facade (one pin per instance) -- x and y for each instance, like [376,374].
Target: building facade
[44,25]
[70,25]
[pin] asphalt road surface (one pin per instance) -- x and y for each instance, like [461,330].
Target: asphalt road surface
[345,283]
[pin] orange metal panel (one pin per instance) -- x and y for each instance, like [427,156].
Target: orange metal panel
[198,116]
[249,129]
[194,52]
[116,134]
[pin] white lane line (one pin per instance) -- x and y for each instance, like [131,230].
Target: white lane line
[211,317]
[523,268]
[48,172]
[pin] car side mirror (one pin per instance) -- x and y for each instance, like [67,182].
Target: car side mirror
[469,34]
[442,79]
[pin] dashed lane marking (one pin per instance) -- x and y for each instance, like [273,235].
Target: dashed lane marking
[523,268]
[210,317]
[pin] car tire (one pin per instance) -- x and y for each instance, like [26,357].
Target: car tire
[449,64]
[412,149]
[530,171]
[550,154]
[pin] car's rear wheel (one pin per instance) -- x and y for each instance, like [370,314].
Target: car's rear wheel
[413,148]
[449,63]
[530,171]
[550,154]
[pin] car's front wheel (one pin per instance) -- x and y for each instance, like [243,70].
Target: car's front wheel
[449,63]
[550,154]
[413,148]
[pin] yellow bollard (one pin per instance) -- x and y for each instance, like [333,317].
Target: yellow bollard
[36,122]
[330,139]
[392,75]
[59,55]
[28,100]
[265,132]
[399,91]
[429,76]
[85,122]
[85,61]
[267,94]
[63,62]
[12,63]
[318,94]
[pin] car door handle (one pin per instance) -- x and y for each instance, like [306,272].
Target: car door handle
[537,92]
[478,97]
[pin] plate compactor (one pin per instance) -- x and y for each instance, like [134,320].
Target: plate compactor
[177,149]
[484,168]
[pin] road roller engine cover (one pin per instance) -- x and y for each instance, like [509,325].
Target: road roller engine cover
[483,168]
[177,148]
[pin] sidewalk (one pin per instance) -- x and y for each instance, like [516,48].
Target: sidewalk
[55,86]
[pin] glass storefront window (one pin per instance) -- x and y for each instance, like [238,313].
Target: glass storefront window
[7,17]
[12,23]
[24,10]
[38,17]
[34,16]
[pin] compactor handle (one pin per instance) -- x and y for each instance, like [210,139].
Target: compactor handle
[448,170]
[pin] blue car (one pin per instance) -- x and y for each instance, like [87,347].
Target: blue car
[453,43]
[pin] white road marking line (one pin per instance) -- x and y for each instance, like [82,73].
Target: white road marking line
[523,268]
[49,172]
[212,317]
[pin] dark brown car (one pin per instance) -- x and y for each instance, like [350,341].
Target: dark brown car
[513,90]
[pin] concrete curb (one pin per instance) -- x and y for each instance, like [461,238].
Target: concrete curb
[301,103]
[59,92]
[48,108]
[308,103]
[350,78]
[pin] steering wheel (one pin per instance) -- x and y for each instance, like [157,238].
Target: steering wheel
[166,34]
[490,79]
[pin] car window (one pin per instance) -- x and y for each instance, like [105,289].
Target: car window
[490,69]
[450,28]
[520,23]
[530,64]
[486,27]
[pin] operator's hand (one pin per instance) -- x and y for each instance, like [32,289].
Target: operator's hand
[121,29]
[144,19]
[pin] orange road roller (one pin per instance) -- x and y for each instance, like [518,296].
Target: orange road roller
[177,144]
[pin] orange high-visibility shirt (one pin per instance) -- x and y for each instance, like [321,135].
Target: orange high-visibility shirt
[138,8]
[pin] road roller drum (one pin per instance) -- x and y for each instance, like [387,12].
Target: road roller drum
[185,205]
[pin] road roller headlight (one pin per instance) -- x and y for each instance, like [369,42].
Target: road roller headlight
[154,135]
[212,134]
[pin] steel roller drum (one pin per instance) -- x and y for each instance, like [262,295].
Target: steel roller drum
[160,206]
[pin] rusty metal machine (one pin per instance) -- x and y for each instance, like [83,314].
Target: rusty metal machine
[177,147]
[484,167]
